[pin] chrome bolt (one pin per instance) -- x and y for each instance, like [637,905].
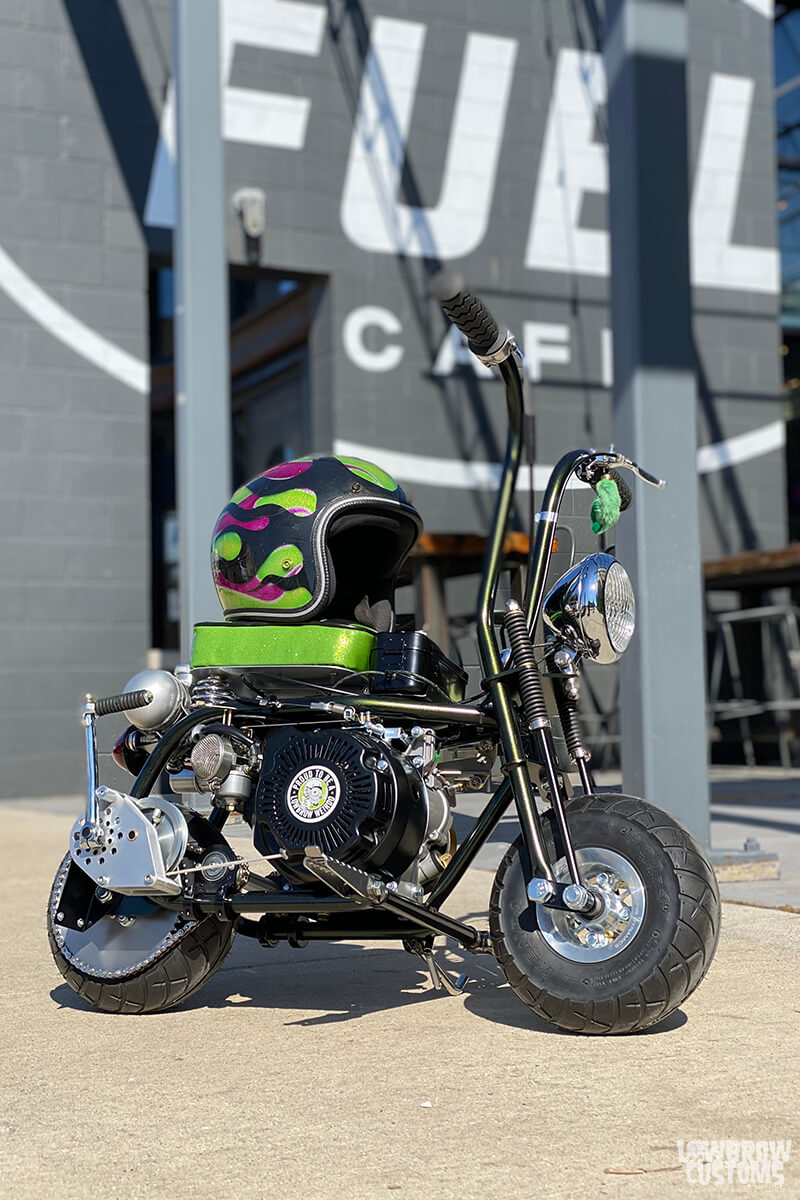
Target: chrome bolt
[624,913]
[103,894]
[416,731]
[575,896]
[102,879]
[596,940]
[126,921]
[540,890]
[603,880]
[149,880]
[418,761]
[382,765]
[80,922]
[59,916]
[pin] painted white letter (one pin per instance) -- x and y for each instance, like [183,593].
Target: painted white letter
[263,118]
[716,262]
[454,349]
[372,216]
[544,344]
[572,165]
[353,336]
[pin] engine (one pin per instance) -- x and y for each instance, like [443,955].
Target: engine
[359,797]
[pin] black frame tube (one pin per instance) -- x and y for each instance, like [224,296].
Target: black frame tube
[477,837]
[305,708]
[361,929]
[546,522]
[516,764]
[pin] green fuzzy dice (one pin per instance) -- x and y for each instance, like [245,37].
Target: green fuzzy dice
[605,510]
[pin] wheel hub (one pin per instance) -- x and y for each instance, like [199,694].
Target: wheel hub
[618,885]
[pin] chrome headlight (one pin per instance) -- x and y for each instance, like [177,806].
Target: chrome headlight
[594,606]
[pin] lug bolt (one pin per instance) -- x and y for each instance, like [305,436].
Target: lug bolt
[624,913]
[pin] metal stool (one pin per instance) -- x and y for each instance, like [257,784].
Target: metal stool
[784,617]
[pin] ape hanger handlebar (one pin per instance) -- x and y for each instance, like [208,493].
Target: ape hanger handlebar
[496,347]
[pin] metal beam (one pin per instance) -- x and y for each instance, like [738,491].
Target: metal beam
[202,373]
[664,738]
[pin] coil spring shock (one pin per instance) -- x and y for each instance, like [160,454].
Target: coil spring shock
[570,723]
[530,681]
[213,692]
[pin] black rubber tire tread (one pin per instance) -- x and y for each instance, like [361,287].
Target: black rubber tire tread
[691,948]
[180,972]
[474,320]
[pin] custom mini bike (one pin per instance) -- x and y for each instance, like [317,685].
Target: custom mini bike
[344,743]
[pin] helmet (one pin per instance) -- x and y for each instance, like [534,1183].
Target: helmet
[313,538]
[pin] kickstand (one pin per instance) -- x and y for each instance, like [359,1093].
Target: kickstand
[442,979]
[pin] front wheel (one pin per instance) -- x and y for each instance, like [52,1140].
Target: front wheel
[650,946]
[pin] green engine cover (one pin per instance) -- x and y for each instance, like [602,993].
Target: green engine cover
[221,645]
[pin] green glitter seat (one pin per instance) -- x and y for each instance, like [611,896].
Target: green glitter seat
[268,655]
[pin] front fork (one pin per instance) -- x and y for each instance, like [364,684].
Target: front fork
[543,888]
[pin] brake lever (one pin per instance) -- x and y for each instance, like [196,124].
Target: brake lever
[604,460]
[645,476]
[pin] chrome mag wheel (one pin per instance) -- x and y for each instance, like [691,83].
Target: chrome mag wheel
[594,939]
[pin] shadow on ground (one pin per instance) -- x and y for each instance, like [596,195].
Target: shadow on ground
[346,982]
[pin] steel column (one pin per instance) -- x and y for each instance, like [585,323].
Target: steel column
[664,749]
[202,375]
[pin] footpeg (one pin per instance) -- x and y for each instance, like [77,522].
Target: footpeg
[343,879]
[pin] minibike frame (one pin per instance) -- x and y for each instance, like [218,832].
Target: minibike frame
[512,711]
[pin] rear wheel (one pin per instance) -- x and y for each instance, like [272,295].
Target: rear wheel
[138,959]
[652,943]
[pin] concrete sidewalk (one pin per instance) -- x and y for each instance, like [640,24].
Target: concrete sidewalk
[334,1072]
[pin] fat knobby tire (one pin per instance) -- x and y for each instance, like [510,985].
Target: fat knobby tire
[663,964]
[168,981]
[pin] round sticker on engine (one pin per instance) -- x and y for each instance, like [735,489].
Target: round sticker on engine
[313,794]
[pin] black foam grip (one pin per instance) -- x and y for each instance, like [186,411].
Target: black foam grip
[467,312]
[123,702]
[625,493]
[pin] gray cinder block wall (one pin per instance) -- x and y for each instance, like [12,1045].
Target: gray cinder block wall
[83,85]
[74,557]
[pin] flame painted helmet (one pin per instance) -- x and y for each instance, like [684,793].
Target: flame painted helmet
[310,539]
